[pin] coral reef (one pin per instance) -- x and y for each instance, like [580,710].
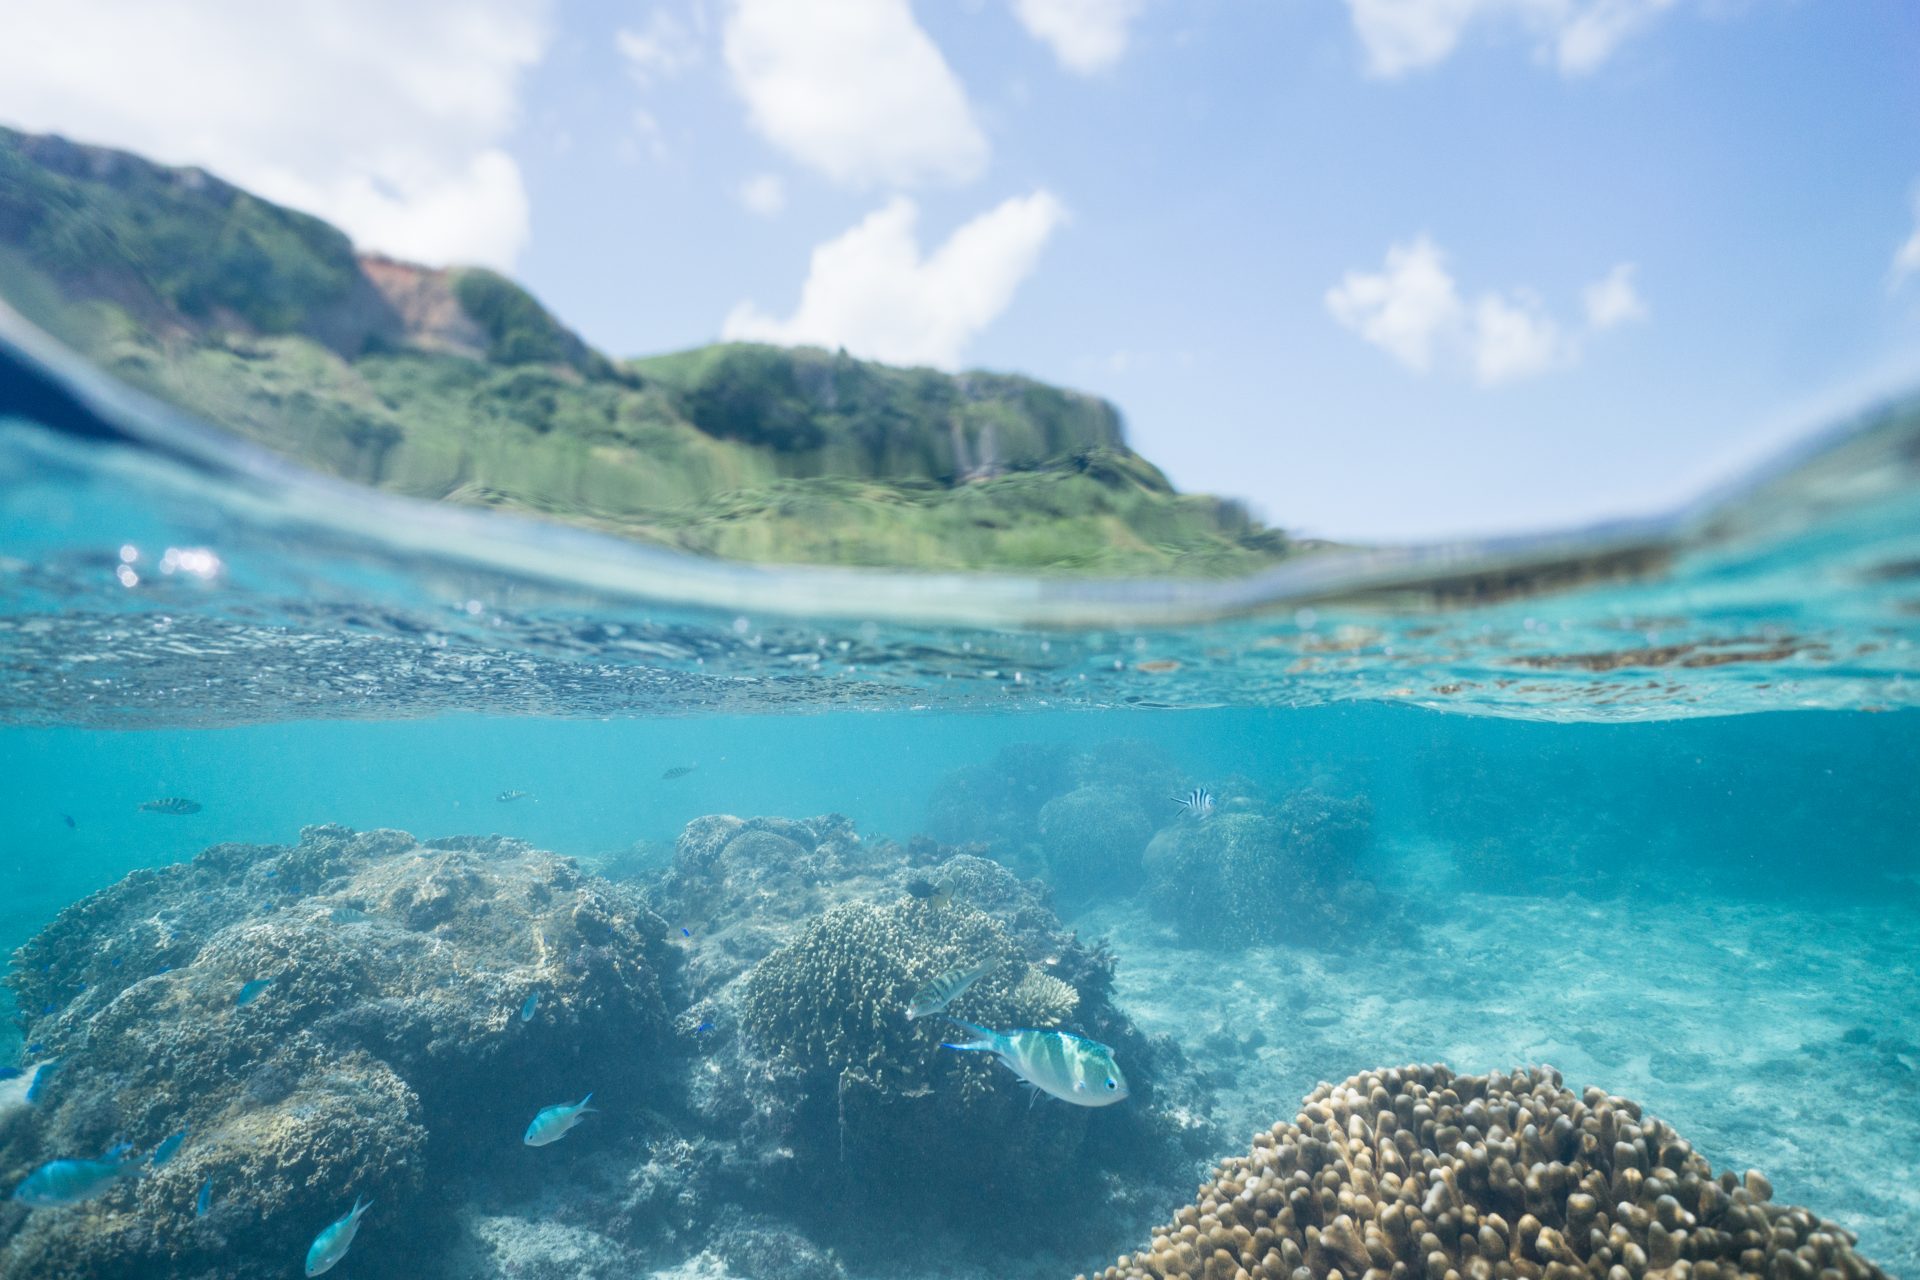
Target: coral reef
[1415,1171]
[1092,838]
[1247,876]
[820,1096]
[385,1049]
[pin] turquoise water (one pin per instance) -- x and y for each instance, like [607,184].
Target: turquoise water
[1638,803]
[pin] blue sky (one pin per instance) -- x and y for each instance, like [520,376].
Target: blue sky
[1386,268]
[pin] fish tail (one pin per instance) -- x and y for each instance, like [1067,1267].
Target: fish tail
[983,1041]
[582,1104]
[359,1208]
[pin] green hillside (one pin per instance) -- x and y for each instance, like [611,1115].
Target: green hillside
[459,386]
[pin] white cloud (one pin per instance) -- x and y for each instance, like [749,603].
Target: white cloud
[386,119]
[1514,338]
[870,290]
[1413,310]
[659,49]
[1086,35]
[764,194]
[1613,299]
[1576,35]
[1407,309]
[855,90]
[1906,259]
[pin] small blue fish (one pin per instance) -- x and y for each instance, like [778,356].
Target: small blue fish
[64,1182]
[685,932]
[68,819]
[251,992]
[205,1200]
[36,1046]
[552,1124]
[115,963]
[531,1007]
[47,1008]
[164,1152]
[1198,802]
[335,1239]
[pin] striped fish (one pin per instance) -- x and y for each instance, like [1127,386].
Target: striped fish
[1197,802]
[178,805]
[1058,1063]
[946,988]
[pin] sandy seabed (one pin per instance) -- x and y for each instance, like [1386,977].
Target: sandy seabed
[1774,1035]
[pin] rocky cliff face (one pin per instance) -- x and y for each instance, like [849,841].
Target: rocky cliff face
[459,385]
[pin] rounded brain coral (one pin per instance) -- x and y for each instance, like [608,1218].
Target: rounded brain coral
[1414,1172]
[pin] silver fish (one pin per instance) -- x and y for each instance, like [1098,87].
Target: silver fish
[946,988]
[1197,802]
[335,1239]
[63,1182]
[553,1123]
[507,797]
[1058,1063]
[531,1007]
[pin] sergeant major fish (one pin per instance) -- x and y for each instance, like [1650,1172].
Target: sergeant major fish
[178,805]
[678,771]
[946,988]
[507,797]
[335,1239]
[1058,1063]
[553,1123]
[1198,802]
[63,1182]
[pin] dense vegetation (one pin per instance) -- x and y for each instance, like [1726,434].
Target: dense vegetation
[460,386]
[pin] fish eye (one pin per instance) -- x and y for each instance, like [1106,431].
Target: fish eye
[1112,1083]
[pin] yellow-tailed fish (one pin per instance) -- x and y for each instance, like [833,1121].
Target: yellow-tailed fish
[1058,1063]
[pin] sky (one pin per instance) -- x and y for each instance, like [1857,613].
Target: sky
[1386,269]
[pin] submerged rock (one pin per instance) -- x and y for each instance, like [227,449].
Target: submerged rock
[1418,1171]
[1285,875]
[836,1107]
[384,1055]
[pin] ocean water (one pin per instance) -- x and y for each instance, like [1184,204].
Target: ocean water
[505,815]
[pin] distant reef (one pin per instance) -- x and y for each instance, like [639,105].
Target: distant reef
[458,385]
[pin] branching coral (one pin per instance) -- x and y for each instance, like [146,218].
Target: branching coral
[1416,1172]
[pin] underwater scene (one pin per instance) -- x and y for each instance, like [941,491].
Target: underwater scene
[1534,908]
[839,802]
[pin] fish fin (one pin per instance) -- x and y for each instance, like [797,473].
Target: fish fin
[582,1104]
[985,1040]
[359,1209]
